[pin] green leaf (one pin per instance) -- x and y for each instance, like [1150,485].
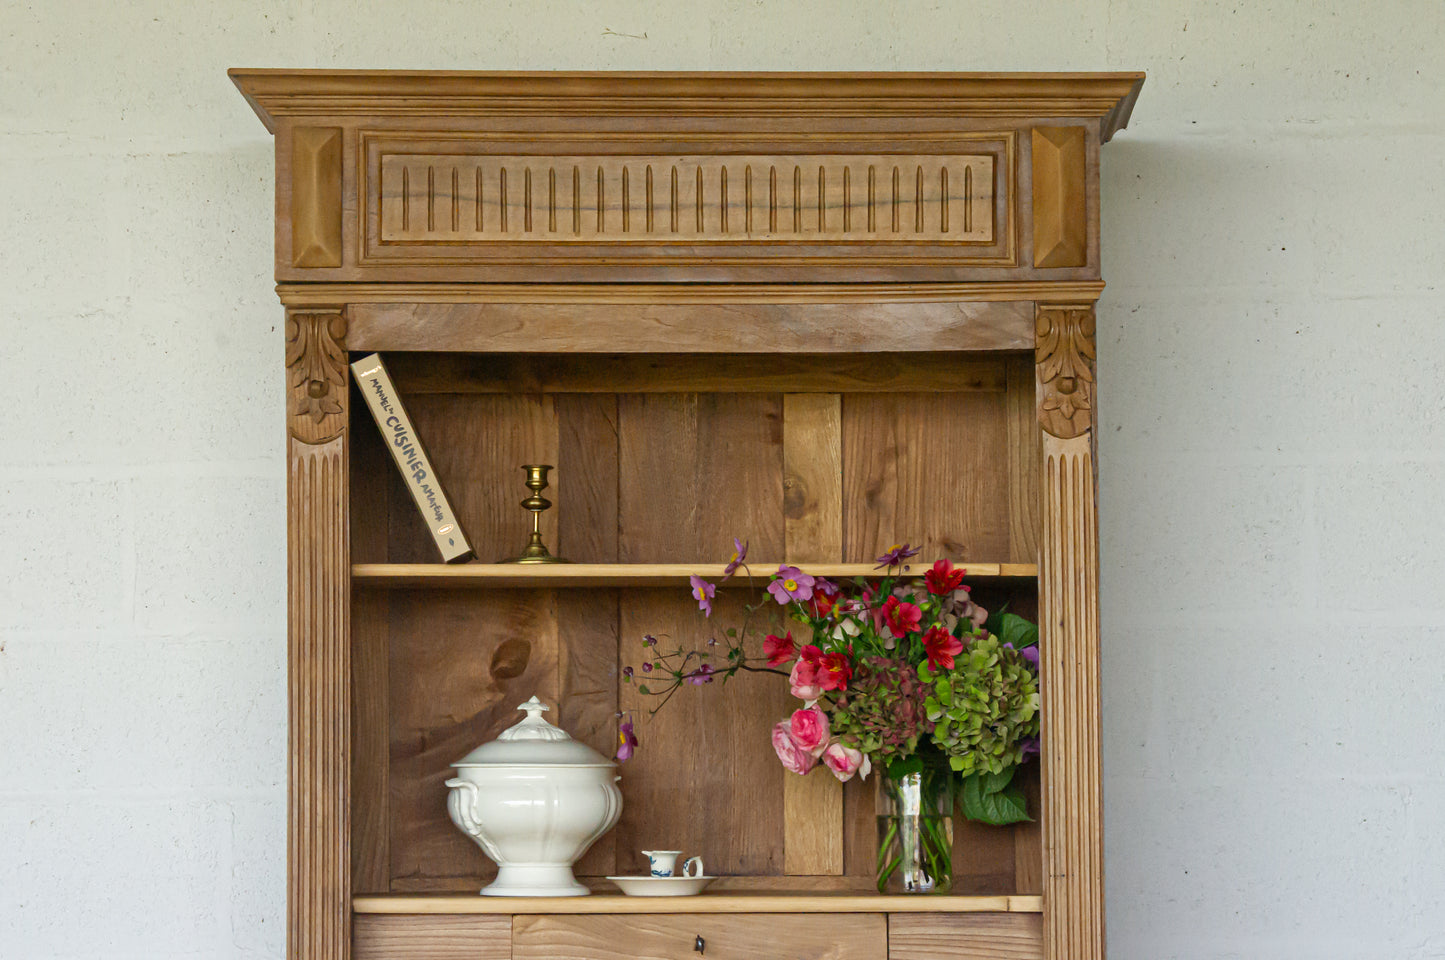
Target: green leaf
[732,631]
[1014,629]
[642,688]
[997,782]
[999,807]
[902,768]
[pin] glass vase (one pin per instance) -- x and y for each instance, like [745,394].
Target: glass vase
[915,832]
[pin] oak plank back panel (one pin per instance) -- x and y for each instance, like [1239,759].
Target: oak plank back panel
[929,469]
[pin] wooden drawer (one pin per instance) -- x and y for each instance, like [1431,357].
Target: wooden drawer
[406,937]
[743,936]
[972,936]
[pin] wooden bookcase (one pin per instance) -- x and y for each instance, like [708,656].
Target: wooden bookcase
[823,313]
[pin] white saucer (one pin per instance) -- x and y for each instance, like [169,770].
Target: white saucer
[662,886]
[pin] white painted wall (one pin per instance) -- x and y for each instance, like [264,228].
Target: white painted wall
[1272,450]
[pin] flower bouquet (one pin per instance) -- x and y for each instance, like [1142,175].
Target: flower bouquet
[899,675]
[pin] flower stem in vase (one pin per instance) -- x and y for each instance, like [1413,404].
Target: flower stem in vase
[915,832]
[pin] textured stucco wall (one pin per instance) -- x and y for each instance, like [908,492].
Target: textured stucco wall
[1272,455]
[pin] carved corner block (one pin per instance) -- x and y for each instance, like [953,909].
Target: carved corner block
[316,375]
[1064,354]
[316,163]
[1061,216]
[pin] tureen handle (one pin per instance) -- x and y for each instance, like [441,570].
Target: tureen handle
[464,805]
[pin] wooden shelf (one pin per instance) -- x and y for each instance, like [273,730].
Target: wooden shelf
[489,575]
[771,902]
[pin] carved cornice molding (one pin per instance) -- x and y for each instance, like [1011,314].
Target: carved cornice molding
[1072,292]
[1064,352]
[361,93]
[316,375]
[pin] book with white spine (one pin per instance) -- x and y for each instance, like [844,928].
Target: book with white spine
[411,459]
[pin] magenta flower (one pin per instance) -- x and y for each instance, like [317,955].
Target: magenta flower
[895,556]
[701,675]
[790,583]
[740,553]
[1031,654]
[626,741]
[702,592]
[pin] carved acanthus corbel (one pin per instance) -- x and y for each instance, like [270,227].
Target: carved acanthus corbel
[1064,353]
[316,375]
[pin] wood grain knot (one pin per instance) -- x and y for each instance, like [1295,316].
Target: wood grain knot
[510,660]
[795,498]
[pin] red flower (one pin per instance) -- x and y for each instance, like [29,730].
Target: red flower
[941,646]
[779,650]
[825,598]
[943,578]
[901,616]
[835,671]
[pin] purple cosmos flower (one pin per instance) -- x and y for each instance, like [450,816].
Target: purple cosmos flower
[647,667]
[701,675]
[1031,654]
[895,556]
[702,592]
[627,673]
[626,741]
[740,553]
[648,640]
[790,583]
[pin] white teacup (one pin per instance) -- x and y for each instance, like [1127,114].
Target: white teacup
[663,863]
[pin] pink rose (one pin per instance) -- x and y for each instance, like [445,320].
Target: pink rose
[805,680]
[793,757]
[809,727]
[845,761]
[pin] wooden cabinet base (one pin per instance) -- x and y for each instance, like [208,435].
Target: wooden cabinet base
[431,938]
[825,313]
[738,937]
[980,936]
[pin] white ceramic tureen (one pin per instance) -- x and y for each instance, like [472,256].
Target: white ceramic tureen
[534,800]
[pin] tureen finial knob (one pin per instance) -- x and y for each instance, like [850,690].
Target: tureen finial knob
[532,726]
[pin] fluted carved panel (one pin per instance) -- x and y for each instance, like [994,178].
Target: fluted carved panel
[448,198]
[1069,643]
[318,614]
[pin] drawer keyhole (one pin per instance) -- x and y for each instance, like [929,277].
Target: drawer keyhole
[699,945]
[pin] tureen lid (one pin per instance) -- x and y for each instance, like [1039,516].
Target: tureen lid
[533,742]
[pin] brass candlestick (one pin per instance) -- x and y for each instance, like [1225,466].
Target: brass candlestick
[536,551]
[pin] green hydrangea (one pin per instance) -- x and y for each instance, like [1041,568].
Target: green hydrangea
[985,710]
[881,713]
